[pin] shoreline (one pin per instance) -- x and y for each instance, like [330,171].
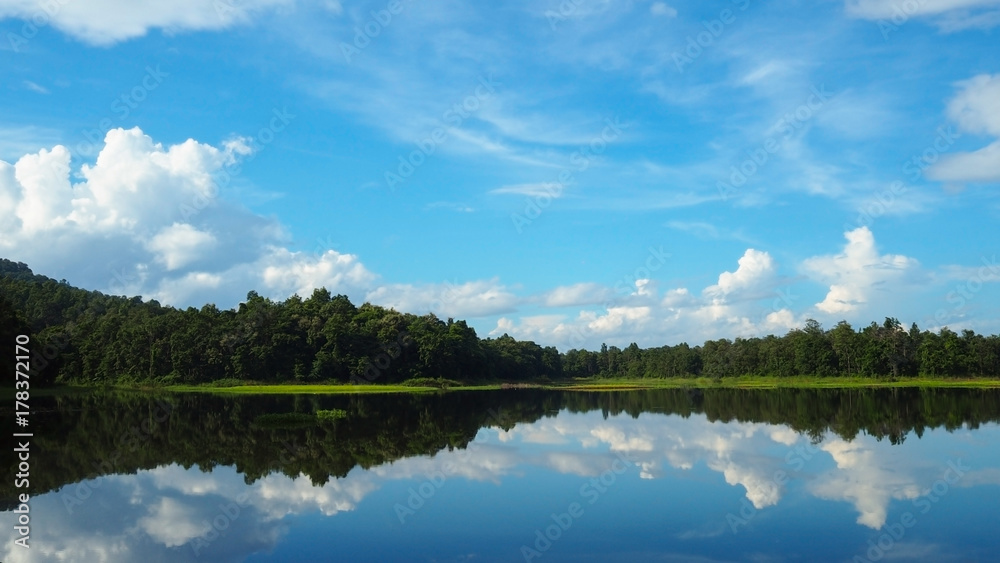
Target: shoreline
[603,385]
[587,385]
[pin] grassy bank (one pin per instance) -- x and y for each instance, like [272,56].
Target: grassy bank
[594,385]
[335,389]
[749,382]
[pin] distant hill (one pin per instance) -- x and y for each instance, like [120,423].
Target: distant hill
[91,337]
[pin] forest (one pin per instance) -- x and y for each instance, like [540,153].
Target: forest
[86,337]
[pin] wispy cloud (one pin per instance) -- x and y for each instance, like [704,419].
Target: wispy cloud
[531,190]
[34,87]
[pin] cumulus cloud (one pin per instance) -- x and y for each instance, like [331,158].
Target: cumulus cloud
[756,268]
[975,109]
[857,273]
[577,294]
[179,244]
[469,299]
[105,22]
[148,219]
[649,317]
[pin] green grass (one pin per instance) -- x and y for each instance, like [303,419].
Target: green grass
[234,387]
[427,385]
[318,389]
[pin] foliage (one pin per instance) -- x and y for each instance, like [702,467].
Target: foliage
[284,420]
[331,415]
[85,337]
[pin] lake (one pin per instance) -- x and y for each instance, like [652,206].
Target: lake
[517,475]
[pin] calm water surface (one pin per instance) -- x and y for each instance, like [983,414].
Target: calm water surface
[719,475]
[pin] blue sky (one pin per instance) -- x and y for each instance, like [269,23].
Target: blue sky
[571,173]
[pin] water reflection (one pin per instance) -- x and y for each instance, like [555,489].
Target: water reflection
[478,476]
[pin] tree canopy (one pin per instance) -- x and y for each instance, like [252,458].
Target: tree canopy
[81,336]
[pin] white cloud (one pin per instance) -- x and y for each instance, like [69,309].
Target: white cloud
[293,272]
[35,87]
[767,71]
[756,270]
[650,317]
[982,165]
[975,109]
[105,22]
[470,299]
[661,9]
[549,189]
[950,15]
[180,244]
[451,206]
[147,219]
[857,273]
[577,294]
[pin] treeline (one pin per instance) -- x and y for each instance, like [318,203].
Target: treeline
[88,337]
[886,350]
[83,336]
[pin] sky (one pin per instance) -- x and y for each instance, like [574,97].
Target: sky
[573,173]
